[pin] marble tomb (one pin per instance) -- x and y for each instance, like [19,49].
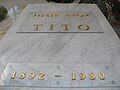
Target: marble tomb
[60,46]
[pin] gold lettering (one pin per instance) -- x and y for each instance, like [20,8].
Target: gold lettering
[92,76]
[47,15]
[37,27]
[38,15]
[22,75]
[56,15]
[42,15]
[77,15]
[101,76]
[86,14]
[52,15]
[73,76]
[35,15]
[65,27]
[67,15]
[82,76]
[31,75]
[51,27]
[41,76]
[83,27]
[13,75]
[81,15]
[74,15]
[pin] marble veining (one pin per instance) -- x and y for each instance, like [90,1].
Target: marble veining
[60,47]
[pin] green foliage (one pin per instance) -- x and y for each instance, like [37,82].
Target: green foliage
[3,13]
[102,5]
[115,4]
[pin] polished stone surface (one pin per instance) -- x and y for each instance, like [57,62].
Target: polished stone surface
[59,48]
[60,21]
[60,75]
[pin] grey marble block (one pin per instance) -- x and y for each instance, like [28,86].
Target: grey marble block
[60,48]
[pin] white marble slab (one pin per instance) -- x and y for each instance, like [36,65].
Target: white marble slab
[60,75]
[60,21]
[60,47]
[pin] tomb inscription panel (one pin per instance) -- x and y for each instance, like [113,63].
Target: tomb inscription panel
[60,22]
[60,75]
